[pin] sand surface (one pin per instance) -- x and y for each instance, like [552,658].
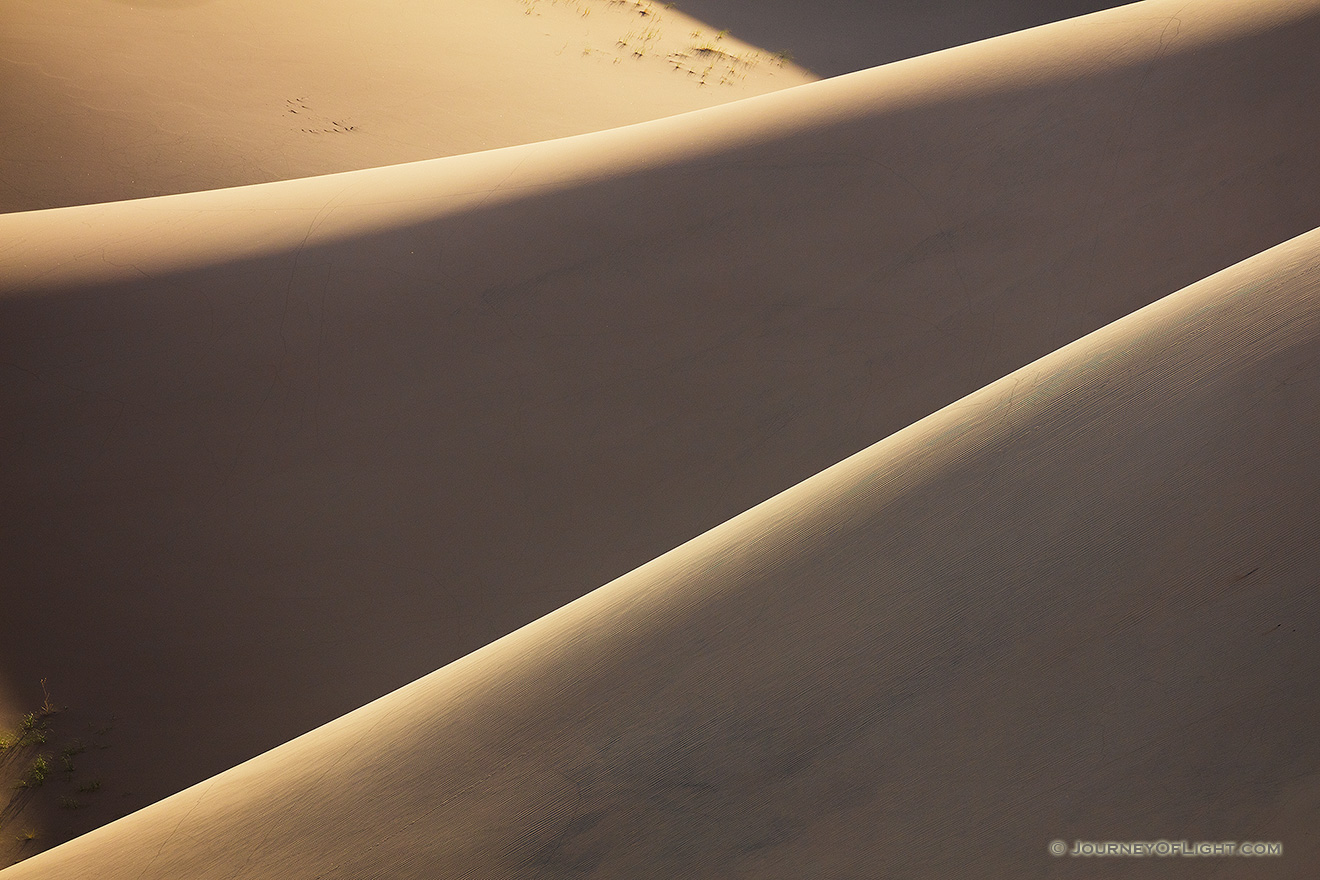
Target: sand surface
[103,100]
[1079,603]
[277,450]
[108,100]
[834,37]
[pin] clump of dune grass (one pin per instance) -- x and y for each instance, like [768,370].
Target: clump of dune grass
[36,774]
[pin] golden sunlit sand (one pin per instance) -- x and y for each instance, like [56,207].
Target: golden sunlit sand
[114,100]
[275,450]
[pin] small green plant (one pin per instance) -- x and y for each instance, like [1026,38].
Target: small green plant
[36,774]
[90,786]
[68,803]
[29,834]
[7,740]
[32,730]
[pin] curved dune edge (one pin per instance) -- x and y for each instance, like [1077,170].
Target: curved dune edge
[124,240]
[1078,603]
[236,409]
[115,100]
[106,101]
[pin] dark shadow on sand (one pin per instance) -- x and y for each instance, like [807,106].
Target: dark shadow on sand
[844,36]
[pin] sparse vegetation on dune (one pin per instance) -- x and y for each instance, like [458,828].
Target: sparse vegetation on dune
[35,775]
[29,757]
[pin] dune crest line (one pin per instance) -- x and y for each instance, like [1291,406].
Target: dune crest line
[1057,576]
[272,430]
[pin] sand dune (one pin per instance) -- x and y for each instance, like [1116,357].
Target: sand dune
[1079,603]
[843,36]
[102,100]
[277,450]
[114,100]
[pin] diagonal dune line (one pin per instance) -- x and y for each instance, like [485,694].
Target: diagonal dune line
[237,467]
[1118,51]
[1021,618]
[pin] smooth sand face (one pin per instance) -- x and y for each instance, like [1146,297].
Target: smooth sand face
[104,100]
[1078,604]
[236,409]
[108,101]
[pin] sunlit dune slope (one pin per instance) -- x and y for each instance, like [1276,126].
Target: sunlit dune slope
[1077,604]
[102,100]
[271,452]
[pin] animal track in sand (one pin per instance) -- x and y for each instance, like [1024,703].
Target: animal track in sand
[319,124]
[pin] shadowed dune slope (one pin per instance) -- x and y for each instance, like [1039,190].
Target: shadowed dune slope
[1080,603]
[834,37]
[271,452]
